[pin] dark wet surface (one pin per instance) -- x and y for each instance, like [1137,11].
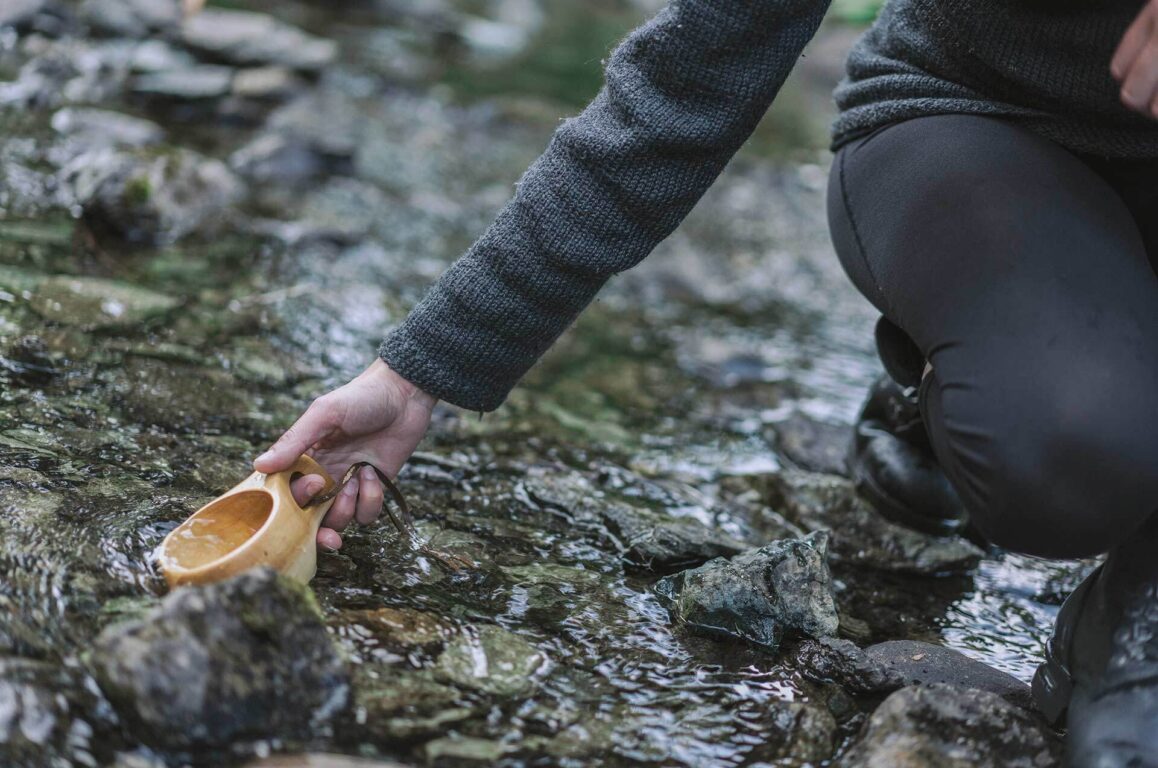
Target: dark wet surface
[138,381]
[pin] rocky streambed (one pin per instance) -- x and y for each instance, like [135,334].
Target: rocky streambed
[205,223]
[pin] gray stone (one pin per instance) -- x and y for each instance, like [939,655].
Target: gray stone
[761,596]
[205,81]
[16,13]
[325,120]
[492,660]
[131,18]
[150,195]
[266,83]
[812,445]
[94,128]
[833,660]
[43,715]
[248,658]
[916,663]
[94,303]
[947,727]
[271,158]
[320,760]
[341,210]
[860,536]
[645,537]
[159,56]
[246,38]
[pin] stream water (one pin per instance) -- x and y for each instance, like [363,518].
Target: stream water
[138,381]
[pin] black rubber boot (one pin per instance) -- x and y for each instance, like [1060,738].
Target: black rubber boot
[890,459]
[1101,669]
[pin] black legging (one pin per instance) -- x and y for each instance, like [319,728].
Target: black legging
[1026,276]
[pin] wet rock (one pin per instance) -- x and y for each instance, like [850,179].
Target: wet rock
[939,725]
[860,536]
[408,705]
[465,750]
[321,760]
[44,716]
[97,128]
[492,660]
[246,38]
[402,628]
[645,537]
[761,596]
[812,445]
[159,56]
[917,663]
[178,398]
[803,733]
[661,543]
[96,303]
[205,81]
[131,18]
[248,658]
[833,660]
[153,196]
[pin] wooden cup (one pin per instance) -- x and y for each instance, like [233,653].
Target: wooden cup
[255,523]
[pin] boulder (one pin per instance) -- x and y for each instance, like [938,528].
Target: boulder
[761,596]
[860,536]
[247,658]
[947,727]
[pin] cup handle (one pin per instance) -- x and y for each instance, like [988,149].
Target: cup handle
[305,465]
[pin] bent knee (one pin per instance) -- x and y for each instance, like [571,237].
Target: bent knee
[1075,473]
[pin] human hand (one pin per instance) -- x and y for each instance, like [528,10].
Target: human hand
[1135,63]
[378,417]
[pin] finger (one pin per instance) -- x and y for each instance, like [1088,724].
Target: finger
[1142,80]
[342,512]
[369,496]
[329,540]
[314,424]
[1132,43]
[306,488]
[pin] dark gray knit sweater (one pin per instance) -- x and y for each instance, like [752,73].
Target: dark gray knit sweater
[682,94]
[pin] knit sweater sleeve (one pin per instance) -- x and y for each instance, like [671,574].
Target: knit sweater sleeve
[681,94]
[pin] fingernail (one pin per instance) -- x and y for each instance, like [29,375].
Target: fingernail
[264,456]
[351,488]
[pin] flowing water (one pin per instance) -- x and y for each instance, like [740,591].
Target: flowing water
[138,382]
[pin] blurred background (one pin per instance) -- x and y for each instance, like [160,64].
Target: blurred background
[207,221]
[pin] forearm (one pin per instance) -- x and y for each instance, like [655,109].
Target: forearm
[682,94]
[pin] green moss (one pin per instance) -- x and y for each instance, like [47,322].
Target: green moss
[138,191]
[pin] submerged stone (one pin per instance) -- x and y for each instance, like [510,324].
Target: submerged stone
[940,725]
[95,303]
[492,660]
[247,658]
[860,536]
[244,37]
[761,596]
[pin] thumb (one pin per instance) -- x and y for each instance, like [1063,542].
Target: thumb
[313,425]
